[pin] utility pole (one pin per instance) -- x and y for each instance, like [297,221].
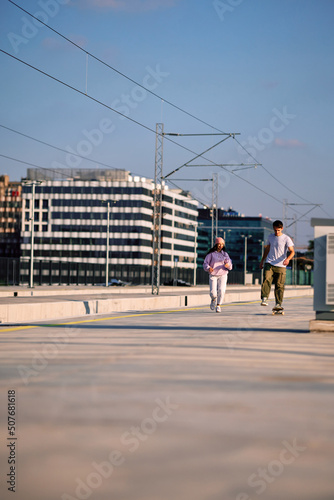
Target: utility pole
[107,240]
[214,214]
[285,203]
[245,236]
[32,228]
[294,270]
[157,208]
[157,219]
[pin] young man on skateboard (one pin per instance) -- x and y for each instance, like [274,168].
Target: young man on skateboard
[275,259]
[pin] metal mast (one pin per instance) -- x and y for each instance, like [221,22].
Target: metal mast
[157,208]
[214,212]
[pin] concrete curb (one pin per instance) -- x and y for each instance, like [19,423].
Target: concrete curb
[31,310]
[321,326]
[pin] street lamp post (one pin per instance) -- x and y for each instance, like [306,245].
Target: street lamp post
[107,241]
[224,233]
[107,250]
[32,229]
[245,236]
[195,256]
[195,224]
[262,251]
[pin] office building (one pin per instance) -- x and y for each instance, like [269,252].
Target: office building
[235,228]
[70,221]
[10,217]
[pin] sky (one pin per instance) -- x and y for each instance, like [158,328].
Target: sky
[260,71]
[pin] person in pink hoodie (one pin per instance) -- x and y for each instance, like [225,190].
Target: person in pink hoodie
[217,263]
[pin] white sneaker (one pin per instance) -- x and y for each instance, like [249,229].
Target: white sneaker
[264,301]
[213,304]
[218,309]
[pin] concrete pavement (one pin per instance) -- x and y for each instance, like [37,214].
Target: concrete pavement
[185,404]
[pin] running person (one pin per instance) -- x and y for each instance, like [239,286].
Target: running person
[217,263]
[274,261]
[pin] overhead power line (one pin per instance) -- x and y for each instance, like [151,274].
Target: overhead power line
[56,147]
[157,96]
[33,165]
[271,175]
[136,122]
[114,69]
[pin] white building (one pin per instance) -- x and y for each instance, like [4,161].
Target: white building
[70,219]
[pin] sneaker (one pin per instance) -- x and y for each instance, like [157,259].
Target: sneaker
[218,309]
[278,307]
[264,301]
[213,304]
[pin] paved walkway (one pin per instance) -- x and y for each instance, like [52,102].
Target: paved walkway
[171,404]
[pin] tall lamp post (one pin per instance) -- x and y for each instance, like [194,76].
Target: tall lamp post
[195,254]
[107,241]
[33,185]
[262,250]
[245,236]
[196,226]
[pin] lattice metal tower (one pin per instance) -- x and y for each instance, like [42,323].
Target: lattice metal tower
[214,211]
[157,208]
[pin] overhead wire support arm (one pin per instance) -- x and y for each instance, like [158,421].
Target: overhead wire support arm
[228,165]
[193,135]
[198,156]
[244,166]
[192,179]
[303,215]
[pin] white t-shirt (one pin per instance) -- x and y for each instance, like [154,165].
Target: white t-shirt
[278,249]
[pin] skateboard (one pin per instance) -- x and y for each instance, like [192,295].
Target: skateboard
[277,311]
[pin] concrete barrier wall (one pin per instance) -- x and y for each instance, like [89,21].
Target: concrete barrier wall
[40,311]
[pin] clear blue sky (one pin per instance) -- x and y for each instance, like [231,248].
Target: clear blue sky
[261,68]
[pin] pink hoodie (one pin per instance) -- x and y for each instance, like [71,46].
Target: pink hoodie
[217,261]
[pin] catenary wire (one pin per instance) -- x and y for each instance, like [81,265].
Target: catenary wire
[134,121]
[114,69]
[56,147]
[156,95]
[33,165]
[269,173]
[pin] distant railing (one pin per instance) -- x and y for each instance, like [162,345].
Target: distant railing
[46,272]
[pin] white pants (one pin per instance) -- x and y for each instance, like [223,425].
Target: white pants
[218,287]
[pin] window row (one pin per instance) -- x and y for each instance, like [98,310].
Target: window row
[101,190]
[101,204]
[129,241]
[100,216]
[86,254]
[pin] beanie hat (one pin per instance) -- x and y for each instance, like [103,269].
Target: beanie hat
[220,240]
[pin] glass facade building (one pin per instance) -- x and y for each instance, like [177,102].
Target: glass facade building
[235,228]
